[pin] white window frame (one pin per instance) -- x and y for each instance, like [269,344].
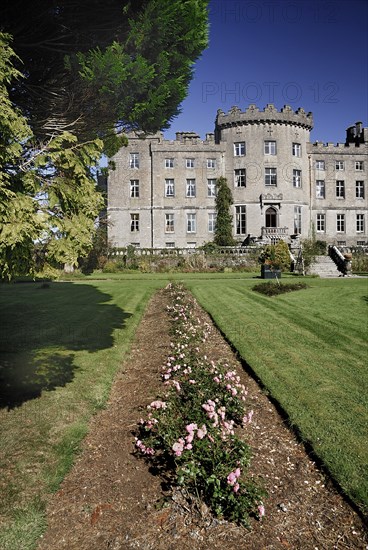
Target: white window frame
[321,223]
[340,189]
[239,149]
[211,187]
[169,187]
[339,165]
[211,222]
[297,150]
[271,177]
[320,165]
[211,163]
[170,244]
[191,223]
[169,223]
[190,188]
[270,147]
[359,165]
[359,222]
[169,163]
[340,223]
[134,222]
[297,178]
[189,163]
[134,189]
[240,177]
[320,189]
[359,189]
[134,160]
[297,220]
[241,219]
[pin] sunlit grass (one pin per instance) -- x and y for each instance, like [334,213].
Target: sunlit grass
[309,349]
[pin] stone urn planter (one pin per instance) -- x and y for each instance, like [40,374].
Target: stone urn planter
[270,272]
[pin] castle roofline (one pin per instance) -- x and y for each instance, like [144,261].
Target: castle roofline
[270,114]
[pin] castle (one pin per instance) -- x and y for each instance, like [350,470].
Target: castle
[162,192]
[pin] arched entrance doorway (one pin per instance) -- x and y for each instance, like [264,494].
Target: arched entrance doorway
[271,217]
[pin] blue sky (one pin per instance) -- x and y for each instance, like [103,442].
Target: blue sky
[304,53]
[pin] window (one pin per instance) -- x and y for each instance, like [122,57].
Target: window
[211,163]
[340,165]
[189,163]
[340,189]
[270,176]
[240,220]
[297,150]
[169,223]
[211,188]
[340,223]
[271,217]
[170,245]
[270,147]
[239,149]
[134,160]
[169,163]
[134,188]
[297,219]
[211,222]
[297,178]
[191,188]
[320,164]
[169,188]
[359,189]
[191,223]
[134,222]
[360,223]
[320,189]
[359,165]
[321,223]
[239,177]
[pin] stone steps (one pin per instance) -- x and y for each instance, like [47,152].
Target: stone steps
[324,266]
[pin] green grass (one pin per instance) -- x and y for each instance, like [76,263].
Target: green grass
[309,349]
[62,346]
[60,349]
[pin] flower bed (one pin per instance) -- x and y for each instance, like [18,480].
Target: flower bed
[192,435]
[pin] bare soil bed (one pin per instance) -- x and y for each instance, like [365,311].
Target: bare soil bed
[110,500]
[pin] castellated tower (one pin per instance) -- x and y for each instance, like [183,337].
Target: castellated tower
[269,148]
[162,192]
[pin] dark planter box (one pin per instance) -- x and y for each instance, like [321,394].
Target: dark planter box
[270,273]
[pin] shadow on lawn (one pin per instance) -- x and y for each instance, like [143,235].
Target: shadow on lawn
[40,330]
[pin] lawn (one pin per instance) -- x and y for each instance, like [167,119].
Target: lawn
[309,349]
[62,346]
[60,349]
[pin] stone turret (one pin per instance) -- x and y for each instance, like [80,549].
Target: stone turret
[270,115]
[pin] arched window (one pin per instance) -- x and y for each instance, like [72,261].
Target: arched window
[271,217]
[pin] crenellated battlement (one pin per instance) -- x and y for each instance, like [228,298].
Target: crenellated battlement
[269,115]
[320,147]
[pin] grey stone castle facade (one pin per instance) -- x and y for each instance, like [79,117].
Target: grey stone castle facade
[162,192]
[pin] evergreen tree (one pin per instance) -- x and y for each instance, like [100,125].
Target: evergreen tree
[90,68]
[48,197]
[95,65]
[224,220]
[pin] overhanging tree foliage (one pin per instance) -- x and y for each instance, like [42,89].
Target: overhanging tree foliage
[89,68]
[47,190]
[224,220]
[91,65]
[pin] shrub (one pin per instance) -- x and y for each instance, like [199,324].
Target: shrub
[276,255]
[359,262]
[272,288]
